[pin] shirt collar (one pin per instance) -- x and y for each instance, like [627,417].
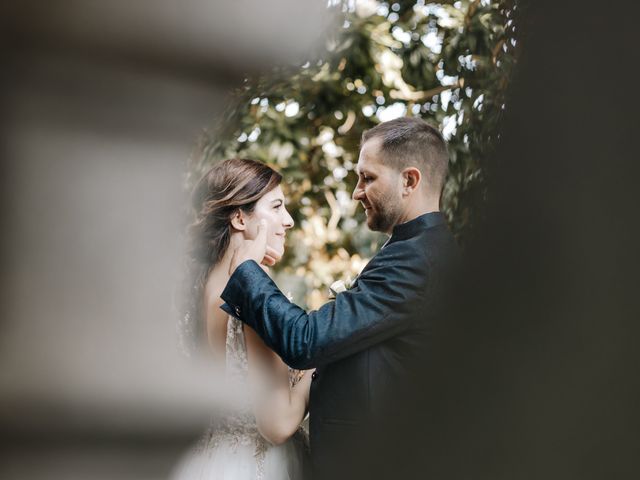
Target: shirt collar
[414,227]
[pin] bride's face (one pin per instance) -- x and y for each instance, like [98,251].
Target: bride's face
[271,208]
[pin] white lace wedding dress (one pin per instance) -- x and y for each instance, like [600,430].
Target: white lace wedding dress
[232,448]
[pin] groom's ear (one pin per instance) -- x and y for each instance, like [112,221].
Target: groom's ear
[411,178]
[238,220]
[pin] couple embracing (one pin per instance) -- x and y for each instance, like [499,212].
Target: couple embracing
[358,364]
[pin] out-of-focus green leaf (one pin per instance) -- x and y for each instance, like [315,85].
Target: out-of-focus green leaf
[311,116]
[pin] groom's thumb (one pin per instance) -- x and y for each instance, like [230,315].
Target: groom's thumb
[261,243]
[261,236]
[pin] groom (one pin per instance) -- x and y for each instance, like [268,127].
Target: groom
[370,346]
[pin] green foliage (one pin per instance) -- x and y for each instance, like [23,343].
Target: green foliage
[447,62]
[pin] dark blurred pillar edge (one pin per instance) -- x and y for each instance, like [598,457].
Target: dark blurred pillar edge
[538,372]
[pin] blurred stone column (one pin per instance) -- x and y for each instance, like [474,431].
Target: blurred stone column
[102,103]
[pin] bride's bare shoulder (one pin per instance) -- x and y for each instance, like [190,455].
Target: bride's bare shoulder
[215,319]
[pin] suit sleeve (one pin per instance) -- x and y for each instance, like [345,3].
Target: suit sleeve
[381,305]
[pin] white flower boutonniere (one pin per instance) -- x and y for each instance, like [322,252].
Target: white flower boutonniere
[339,286]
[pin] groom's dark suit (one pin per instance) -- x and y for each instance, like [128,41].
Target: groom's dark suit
[369,347]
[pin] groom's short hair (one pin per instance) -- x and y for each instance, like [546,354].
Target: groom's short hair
[412,142]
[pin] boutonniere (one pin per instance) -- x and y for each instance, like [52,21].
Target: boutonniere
[340,286]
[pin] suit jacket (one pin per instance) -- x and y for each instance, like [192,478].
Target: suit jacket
[369,346]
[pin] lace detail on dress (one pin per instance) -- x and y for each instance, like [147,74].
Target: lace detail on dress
[295,376]
[236,351]
[236,435]
[235,431]
[239,428]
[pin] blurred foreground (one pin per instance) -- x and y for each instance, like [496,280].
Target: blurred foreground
[102,104]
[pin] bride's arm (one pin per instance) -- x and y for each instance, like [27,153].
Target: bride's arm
[279,409]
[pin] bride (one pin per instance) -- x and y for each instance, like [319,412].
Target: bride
[260,438]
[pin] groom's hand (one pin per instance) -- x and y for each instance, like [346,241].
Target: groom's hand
[256,250]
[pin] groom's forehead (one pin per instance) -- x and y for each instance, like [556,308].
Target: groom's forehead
[362,167]
[367,163]
[370,155]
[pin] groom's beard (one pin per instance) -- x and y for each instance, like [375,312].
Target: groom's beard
[385,214]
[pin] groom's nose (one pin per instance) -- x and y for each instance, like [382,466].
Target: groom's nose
[358,192]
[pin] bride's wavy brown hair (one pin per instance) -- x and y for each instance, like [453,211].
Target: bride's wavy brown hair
[229,185]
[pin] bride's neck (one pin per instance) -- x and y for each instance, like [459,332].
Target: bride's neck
[219,274]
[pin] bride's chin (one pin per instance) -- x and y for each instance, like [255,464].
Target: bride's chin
[279,251]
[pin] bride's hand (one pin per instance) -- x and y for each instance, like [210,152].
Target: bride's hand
[271,257]
[265,268]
